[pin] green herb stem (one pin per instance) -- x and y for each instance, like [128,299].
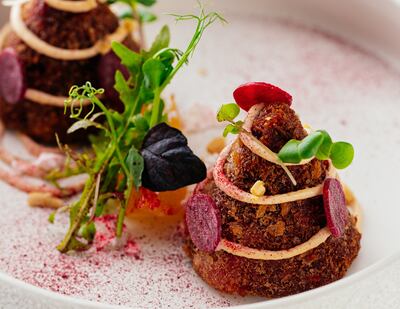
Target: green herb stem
[155,114]
[84,208]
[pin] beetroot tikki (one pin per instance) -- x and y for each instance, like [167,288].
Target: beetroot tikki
[285,226]
[50,46]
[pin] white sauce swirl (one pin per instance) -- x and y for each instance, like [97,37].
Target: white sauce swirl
[225,185]
[44,48]
[80,6]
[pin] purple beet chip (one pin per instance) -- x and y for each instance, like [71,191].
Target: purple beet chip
[108,65]
[335,206]
[12,76]
[203,222]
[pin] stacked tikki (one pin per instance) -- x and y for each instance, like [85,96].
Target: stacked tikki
[273,218]
[47,47]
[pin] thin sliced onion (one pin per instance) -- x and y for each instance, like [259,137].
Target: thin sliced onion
[225,185]
[73,6]
[44,98]
[259,148]
[256,254]
[313,242]
[34,42]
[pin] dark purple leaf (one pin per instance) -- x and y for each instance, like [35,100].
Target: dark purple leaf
[169,162]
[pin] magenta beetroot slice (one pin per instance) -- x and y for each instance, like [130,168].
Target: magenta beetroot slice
[254,93]
[12,76]
[108,65]
[203,222]
[335,206]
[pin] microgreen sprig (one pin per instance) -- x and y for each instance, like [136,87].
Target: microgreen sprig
[116,164]
[228,112]
[317,144]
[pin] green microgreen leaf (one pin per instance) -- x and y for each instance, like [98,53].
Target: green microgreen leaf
[126,15]
[233,128]
[161,41]
[140,123]
[154,70]
[135,163]
[122,87]
[129,58]
[309,146]
[115,165]
[52,217]
[88,231]
[228,112]
[146,16]
[99,209]
[342,155]
[147,2]
[318,144]
[324,150]
[290,152]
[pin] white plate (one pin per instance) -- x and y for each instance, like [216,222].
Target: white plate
[335,85]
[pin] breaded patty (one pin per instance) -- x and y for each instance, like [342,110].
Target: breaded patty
[273,227]
[56,77]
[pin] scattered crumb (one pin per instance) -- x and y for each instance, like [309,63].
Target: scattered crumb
[216,145]
[202,72]
[44,200]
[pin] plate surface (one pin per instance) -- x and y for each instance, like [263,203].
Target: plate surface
[336,85]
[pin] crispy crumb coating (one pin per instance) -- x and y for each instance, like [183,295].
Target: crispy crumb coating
[56,77]
[275,227]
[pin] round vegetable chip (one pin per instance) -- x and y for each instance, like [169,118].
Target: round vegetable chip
[12,77]
[203,222]
[108,65]
[335,206]
[254,93]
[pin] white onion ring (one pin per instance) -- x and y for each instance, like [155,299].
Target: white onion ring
[80,6]
[257,254]
[319,238]
[258,148]
[42,47]
[225,185]
[44,98]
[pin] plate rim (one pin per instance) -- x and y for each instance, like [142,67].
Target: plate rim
[274,303]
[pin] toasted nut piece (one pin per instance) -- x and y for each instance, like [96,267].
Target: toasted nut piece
[44,200]
[258,189]
[216,145]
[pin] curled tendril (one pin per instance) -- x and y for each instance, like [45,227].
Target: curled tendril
[203,22]
[81,94]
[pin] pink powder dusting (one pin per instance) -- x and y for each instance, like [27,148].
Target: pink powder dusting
[148,268]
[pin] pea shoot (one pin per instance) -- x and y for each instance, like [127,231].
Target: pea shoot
[228,112]
[320,145]
[317,144]
[115,165]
